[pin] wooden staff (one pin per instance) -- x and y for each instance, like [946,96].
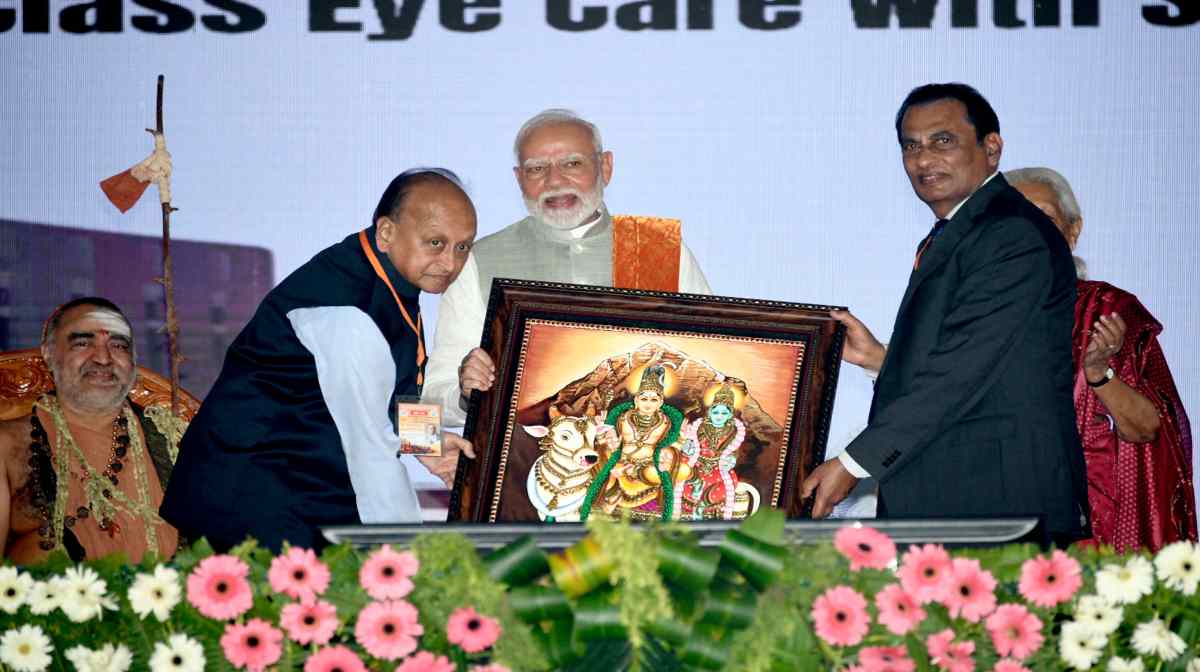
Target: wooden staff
[168,277]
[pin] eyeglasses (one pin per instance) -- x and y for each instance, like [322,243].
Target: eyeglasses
[572,166]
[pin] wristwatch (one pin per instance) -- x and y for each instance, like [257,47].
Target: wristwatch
[1109,374]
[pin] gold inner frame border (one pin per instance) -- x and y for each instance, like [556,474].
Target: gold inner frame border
[520,373]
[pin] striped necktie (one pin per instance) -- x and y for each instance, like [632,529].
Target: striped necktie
[933,233]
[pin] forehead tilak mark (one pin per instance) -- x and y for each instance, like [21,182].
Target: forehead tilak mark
[107,321]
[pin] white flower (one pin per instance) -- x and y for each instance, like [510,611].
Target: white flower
[45,596]
[180,654]
[14,588]
[1095,612]
[26,649]
[1178,566]
[1116,664]
[1194,666]
[108,658]
[1080,645]
[1156,639]
[1126,584]
[83,594]
[156,593]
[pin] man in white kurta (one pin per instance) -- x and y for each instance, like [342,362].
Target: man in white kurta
[562,171]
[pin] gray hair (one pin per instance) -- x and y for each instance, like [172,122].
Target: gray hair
[555,115]
[1057,183]
[50,328]
[1062,191]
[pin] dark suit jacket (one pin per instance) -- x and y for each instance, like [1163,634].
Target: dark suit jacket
[973,412]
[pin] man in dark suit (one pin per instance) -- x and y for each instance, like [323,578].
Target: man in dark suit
[972,414]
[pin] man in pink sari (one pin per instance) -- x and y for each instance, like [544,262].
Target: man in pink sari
[1136,436]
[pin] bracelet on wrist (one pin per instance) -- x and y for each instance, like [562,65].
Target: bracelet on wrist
[1109,374]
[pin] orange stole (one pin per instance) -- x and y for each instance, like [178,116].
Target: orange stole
[646,253]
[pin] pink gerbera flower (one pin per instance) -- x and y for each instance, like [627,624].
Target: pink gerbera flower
[840,616]
[312,623]
[471,631]
[218,589]
[1049,581]
[972,591]
[886,659]
[387,574]
[1015,631]
[950,655]
[253,646]
[898,611]
[1009,665]
[334,659]
[426,662]
[298,574]
[865,547]
[925,573]
[939,643]
[388,630]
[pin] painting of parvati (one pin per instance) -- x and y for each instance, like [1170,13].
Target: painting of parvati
[646,424]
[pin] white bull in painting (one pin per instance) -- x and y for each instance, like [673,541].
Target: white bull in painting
[559,478]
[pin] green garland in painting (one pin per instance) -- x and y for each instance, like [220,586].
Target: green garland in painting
[676,417]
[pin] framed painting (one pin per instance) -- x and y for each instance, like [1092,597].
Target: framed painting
[648,405]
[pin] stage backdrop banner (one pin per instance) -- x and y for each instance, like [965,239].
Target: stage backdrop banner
[766,126]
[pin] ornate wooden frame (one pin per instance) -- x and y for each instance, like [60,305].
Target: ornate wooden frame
[515,305]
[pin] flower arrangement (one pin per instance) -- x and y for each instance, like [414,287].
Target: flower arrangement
[249,610]
[622,598]
[1008,609]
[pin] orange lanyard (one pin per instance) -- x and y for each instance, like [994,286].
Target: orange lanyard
[369,250]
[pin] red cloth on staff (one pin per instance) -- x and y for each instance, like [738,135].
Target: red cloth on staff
[124,190]
[1141,493]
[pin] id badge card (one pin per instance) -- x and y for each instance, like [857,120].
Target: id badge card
[420,428]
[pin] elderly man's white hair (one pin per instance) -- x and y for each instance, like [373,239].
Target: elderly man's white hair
[555,115]
[1053,179]
[1062,191]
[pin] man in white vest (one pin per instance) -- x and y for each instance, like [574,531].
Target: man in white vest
[562,169]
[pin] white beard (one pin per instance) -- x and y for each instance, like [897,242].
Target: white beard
[89,399]
[565,220]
